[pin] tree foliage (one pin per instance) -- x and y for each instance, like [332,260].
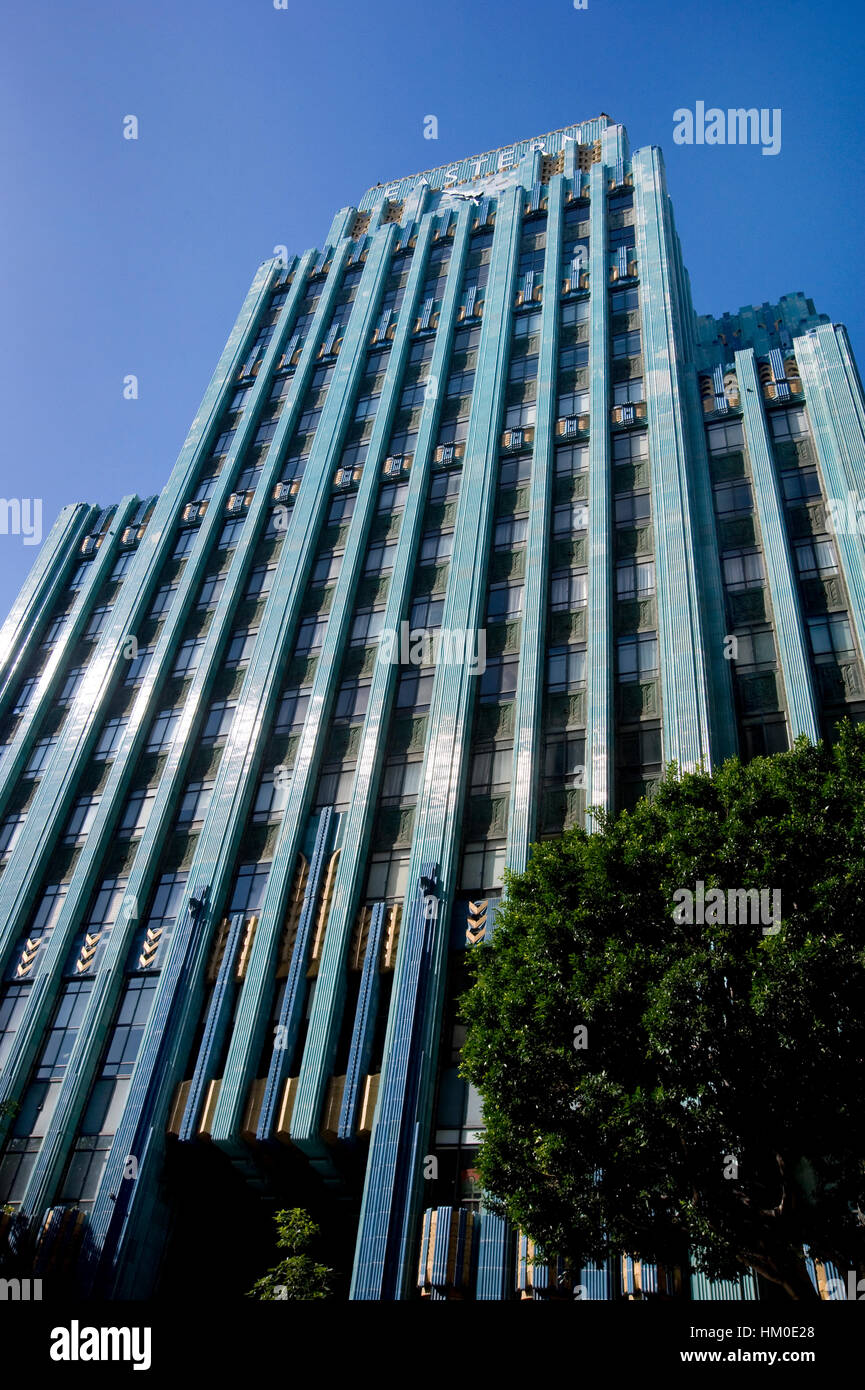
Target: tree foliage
[298,1276]
[716,1106]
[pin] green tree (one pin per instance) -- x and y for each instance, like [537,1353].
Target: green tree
[298,1276]
[653,1086]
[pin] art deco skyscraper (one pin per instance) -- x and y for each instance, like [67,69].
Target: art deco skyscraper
[478,525]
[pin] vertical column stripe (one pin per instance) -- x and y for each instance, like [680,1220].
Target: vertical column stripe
[836,409]
[789,632]
[528,716]
[599,617]
[680,635]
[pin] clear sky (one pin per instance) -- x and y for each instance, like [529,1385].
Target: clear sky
[256,124]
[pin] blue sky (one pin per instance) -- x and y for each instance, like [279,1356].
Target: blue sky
[256,124]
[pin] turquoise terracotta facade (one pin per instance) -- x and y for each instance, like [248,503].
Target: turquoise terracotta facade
[244,852]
